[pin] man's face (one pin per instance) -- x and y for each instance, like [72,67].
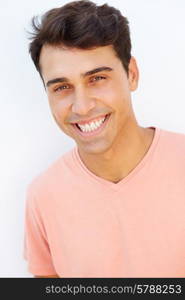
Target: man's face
[89,94]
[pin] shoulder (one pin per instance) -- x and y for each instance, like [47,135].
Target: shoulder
[173,140]
[53,177]
[172,149]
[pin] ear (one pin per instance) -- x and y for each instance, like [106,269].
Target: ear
[133,74]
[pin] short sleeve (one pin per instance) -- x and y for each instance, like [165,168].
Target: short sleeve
[36,249]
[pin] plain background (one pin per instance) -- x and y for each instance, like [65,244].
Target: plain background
[30,139]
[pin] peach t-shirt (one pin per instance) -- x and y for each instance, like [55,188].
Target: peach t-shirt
[80,225]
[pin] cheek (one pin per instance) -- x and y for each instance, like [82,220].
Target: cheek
[113,94]
[59,108]
[116,98]
[104,94]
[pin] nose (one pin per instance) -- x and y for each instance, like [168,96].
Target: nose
[82,102]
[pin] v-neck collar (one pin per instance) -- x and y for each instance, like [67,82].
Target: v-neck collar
[119,184]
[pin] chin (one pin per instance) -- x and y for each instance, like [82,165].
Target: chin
[92,148]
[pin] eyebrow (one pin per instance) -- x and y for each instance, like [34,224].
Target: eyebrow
[91,72]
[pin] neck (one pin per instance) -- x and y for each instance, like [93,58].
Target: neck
[118,161]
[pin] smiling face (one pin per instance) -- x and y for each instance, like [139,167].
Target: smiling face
[89,94]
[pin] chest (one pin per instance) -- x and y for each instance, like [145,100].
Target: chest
[118,238]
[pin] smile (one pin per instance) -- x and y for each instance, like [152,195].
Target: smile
[92,128]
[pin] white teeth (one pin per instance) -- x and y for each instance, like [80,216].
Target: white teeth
[91,126]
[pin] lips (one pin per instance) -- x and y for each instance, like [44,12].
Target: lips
[91,125]
[95,131]
[90,120]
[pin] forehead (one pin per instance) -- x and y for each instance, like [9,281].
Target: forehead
[57,61]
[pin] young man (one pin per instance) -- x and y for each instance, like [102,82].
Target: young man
[113,206]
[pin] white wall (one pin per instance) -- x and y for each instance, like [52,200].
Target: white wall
[30,139]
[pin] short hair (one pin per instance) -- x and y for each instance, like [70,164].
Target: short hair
[84,25]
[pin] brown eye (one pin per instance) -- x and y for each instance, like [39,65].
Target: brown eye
[61,87]
[97,78]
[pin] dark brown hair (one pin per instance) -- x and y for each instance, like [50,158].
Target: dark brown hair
[82,24]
